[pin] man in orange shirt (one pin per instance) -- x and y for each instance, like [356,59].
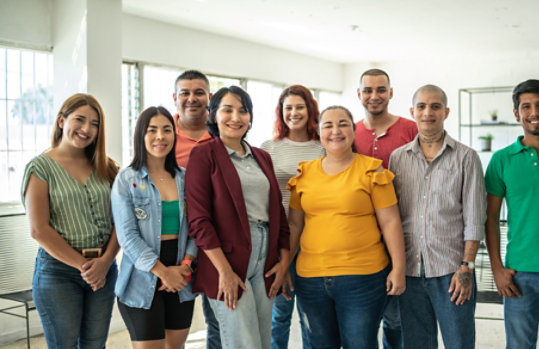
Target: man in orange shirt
[191,97]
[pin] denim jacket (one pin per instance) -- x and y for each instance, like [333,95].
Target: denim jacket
[136,209]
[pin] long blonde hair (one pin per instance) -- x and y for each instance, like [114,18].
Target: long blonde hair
[105,167]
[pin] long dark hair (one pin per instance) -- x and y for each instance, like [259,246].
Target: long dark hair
[139,159]
[246,102]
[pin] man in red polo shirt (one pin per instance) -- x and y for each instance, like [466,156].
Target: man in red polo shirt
[380,132]
[191,97]
[378,135]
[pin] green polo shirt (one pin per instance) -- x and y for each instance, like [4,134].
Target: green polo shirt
[513,174]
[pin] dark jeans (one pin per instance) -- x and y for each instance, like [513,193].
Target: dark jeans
[522,313]
[427,302]
[213,338]
[72,314]
[343,310]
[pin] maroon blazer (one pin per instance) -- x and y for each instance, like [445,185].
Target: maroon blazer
[218,217]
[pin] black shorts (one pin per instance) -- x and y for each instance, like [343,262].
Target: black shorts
[166,311]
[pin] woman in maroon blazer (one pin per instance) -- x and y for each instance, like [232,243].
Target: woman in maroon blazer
[236,215]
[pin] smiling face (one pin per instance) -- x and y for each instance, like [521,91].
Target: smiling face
[295,113]
[191,99]
[375,93]
[232,119]
[80,128]
[429,113]
[159,137]
[336,131]
[528,113]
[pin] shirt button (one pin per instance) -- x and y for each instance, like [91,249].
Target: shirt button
[424,196]
[159,220]
[535,163]
[375,148]
[531,154]
[374,133]
[426,177]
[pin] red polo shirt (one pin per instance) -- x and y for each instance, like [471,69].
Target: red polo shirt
[367,143]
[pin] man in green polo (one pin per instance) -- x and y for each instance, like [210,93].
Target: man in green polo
[513,174]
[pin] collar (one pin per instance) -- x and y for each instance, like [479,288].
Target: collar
[182,134]
[232,152]
[518,147]
[144,172]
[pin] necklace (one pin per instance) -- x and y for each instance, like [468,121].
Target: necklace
[161,179]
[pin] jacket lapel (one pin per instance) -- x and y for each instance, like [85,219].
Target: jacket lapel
[232,182]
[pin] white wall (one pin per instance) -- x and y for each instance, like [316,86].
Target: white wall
[26,23]
[450,72]
[156,42]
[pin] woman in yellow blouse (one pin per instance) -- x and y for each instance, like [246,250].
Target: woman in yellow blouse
[341,206]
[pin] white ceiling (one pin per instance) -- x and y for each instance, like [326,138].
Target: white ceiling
[358,30]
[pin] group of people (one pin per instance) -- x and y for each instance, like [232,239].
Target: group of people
[379,219]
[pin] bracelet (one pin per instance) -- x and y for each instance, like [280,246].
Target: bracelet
[188,263]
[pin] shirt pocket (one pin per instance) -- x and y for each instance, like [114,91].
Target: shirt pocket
[141,207]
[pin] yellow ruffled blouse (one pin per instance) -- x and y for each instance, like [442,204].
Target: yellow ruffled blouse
[341,234]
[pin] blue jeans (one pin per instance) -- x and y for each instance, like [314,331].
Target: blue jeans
[281,316]
[522,313]
[343,310]
[391,324]
[73,316]
[249,325]
[213,338]
[427,301]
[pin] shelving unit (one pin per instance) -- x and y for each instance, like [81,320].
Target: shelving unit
[474,120]
[474,104]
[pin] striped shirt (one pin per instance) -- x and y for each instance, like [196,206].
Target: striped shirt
[286,155]
[442,204]
[80,213]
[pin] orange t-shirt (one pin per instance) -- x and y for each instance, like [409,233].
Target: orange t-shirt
[341,234]
[184,144]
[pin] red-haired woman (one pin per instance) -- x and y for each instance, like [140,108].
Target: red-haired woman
[296,139]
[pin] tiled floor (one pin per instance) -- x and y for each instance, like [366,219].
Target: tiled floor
[490,333]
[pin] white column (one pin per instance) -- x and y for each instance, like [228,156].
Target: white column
[87,37]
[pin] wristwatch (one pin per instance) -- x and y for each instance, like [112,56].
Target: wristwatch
[470,265]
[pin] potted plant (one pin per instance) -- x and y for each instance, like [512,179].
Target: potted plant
[493,114]
[486,142]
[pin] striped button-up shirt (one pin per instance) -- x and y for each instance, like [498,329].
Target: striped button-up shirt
[442,204]
[80,213]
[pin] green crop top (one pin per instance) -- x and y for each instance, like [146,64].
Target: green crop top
[170,217]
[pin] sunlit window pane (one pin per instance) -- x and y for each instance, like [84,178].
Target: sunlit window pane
[327,99]
[25,114]
[159,86]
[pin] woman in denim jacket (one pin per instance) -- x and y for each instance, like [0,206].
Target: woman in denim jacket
[154,288]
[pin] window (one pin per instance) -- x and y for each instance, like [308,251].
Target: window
[130,107]
[26,115]
[326,99]
[265,97]
[157,86]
